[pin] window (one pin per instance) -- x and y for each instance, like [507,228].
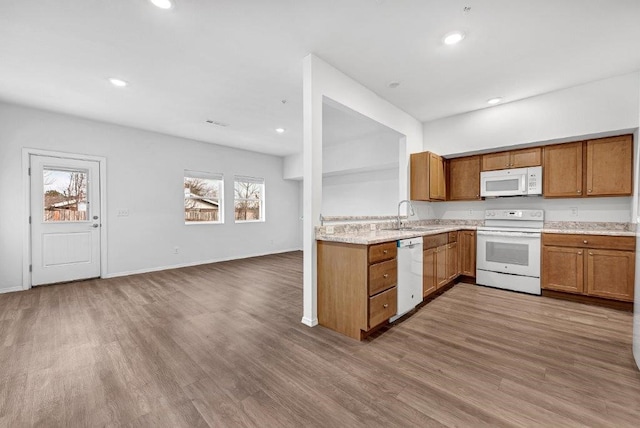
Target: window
[249,199]
[65,195]
[203,197]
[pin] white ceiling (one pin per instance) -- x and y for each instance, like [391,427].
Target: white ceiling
[234,61]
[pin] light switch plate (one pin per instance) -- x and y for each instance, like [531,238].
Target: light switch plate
[329,230]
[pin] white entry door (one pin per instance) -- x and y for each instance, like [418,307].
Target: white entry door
[65,219]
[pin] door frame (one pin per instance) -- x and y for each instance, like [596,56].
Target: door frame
[26,194]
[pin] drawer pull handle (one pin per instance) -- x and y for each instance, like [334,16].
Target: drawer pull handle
[579,191]
[386,305]
[584,242]
[386,275]
[385,251]
[589,190]
[579,253]
[590,253]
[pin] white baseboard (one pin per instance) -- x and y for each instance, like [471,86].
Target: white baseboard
[189,264]
[310,322]
[10,289]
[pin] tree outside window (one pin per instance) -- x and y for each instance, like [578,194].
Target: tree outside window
[249,199]
[65,195]
[203,197]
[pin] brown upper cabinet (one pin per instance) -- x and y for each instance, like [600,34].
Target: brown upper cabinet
[562,175]
[512,159]
[601,167]
[427,177]
[463,179]
[610,166]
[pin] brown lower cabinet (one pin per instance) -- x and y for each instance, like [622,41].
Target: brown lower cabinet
[442,259]
[356,286]
[591,265]
[467,252]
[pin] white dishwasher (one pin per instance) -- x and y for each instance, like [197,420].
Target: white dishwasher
[409,275]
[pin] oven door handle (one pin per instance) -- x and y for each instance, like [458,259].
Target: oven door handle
[509,234]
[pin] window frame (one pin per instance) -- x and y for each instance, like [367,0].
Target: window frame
[262,201]
[201,175]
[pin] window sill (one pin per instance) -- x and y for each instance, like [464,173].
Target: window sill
[193,223]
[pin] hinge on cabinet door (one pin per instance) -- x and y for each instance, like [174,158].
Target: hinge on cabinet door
[30,268]
[29,172]
[29,219]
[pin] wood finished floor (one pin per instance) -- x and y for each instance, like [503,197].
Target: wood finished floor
[222,345]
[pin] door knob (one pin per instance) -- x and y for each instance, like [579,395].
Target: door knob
[386,275]
[386,305]
[95,217]
[95,225]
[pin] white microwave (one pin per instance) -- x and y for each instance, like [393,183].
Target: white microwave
[511,182]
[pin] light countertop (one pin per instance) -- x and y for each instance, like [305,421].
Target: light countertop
[368,237]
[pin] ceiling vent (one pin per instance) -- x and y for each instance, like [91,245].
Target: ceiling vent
[213,122]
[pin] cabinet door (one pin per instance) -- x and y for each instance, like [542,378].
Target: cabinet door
[436,177]
[494,161]
[464,179]
[526,157]
[610,274]
[609,166]
[441,266]
[467,252]
[452,261]
[419,175]
[562,175]
[563,269]
[429,283]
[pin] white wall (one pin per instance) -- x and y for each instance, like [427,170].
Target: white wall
[588,209]
[361,176]
[144,175]
[599,107]
[368,193]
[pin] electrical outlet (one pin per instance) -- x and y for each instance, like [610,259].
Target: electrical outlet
[176,250]
[329,230]
[574,211]
[372,227]
[123,213]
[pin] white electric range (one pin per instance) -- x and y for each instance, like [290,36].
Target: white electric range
[508,250]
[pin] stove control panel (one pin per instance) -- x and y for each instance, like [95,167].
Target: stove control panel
[514,215]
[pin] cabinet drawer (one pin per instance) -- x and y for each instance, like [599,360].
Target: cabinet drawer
[627,243]
[382,276]
[434,241]
[384,251]
[383,306]
[453,237]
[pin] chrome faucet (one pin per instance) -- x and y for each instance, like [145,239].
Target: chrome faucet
[411,212]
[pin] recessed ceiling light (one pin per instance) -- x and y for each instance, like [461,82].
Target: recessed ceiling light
[393,84]
[453,38]
[280,130]
[495,100]
[118,82]
[163,4]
